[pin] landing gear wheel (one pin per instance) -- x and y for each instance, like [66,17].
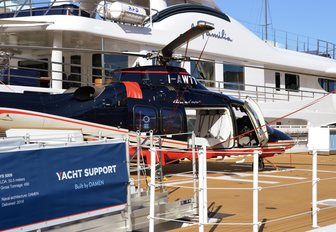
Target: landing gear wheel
[261,164]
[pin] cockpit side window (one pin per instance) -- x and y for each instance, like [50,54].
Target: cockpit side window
[172,121]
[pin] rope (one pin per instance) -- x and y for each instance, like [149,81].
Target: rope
[277,119]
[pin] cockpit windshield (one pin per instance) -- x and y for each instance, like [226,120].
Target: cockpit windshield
[257,119]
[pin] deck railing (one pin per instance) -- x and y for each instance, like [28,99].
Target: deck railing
[295,42]
[262,93]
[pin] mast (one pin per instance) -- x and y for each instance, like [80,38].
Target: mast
[266,22]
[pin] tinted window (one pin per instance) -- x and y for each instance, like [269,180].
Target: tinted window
[96,66]
[327,85]
[172,121]
[234,77]
[145,118]
[277,81]
[292,82]
[75,71]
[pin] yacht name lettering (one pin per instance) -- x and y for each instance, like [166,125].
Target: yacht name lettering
[79,173]
[217,35]
[182,79]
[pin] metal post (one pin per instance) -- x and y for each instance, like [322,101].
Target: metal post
[201,190]
[255,190]
[56,61]
[194,171]
[205,185]
[160,163]
[297,43]
[129,205]
[314,189]
[138,162]
[150,14]
[152,190]
[102,59]
[275,42]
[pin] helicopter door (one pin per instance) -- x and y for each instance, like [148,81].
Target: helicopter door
[145,118]
[214,127]
[257,119]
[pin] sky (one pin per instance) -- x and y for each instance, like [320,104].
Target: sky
[315,19]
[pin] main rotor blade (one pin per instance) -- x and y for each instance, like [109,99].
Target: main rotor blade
[192,33]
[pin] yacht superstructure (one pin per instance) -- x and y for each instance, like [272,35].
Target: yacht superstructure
[62,44]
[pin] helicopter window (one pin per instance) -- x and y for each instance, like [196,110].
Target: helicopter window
[171,121]
[244,128]
[130,76]
[191,119]
[155,78]
[145,118]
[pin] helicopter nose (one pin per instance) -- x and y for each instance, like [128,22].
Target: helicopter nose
[277,135]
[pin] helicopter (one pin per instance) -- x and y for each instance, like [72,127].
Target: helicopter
[162,99]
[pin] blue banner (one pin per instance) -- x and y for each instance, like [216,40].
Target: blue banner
[45,184]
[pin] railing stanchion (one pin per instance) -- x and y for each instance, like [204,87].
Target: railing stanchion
[195,206]
[255,191]
[152,189]
[314,189]
[129,204]
[138,162]
[202,185]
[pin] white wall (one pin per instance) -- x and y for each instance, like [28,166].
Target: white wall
[254,76]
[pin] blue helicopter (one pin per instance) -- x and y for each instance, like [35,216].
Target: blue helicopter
[162,99]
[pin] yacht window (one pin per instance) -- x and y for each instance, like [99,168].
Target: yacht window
[292,82]
[113,62]
[327,85]
[145,118]
[234,77]
[75,71]
[277,81]
[35,65]
[37,68]
[171,121]
[203,72]
[96,67]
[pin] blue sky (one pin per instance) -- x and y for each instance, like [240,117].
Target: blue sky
[313,18]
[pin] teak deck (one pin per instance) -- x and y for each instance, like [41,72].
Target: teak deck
[284,200]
